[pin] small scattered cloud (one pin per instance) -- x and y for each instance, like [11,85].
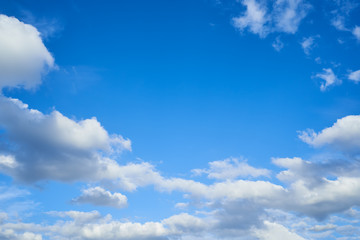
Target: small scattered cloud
[307,44]
[356,32]
[100,197]
[255,18]
[354,76]
[278,44]
[329,78]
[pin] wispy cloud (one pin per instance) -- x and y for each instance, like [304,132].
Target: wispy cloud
[329,78]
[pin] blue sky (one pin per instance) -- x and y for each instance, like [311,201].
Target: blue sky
[206,119]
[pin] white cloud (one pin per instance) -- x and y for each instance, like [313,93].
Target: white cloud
[288,14]
[275,231]
[344,135]
[329,78]
[185,223]
[23,56]
[255,18]
[53,146]
[356,32]
[100,197]
[339,23]
[285,16]
[355,76]
[307,44]
[231,168]
[278,44]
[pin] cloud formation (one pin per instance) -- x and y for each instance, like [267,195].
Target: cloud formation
[51,146]
[329,78]
[307,44]
[100,197]
[285,16]
[231,168]
[355,76]
[24,57]
[343,135]
[356,32]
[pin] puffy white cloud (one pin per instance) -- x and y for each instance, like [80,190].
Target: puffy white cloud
[231,168]
[255,18]
[52,146]
[329,78]
[307,44]
[285,16]
[100,197]
[356,32]
[23,56]
[355,76]
[343,135]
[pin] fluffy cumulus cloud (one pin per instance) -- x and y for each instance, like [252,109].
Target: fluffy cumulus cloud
[51,146]
[24,57]
[343,135]
[354,76]
[283,16]
[100,197]
[329,78]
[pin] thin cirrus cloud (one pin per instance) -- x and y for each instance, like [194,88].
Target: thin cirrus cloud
[24,58]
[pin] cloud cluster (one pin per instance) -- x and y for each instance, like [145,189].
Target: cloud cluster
[283,16]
